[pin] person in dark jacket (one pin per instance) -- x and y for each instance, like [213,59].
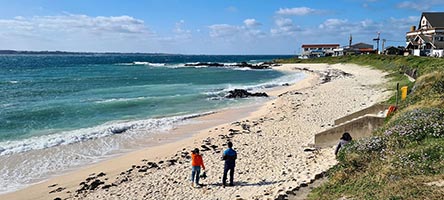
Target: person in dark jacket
[345,139]
[229,156]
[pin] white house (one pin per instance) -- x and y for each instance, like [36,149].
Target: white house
[428,39]
[319,50]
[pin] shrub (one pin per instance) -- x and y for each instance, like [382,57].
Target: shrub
[417,124]
[359,153]
[421,160]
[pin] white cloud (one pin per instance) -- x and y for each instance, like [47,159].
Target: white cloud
[422,5]
[413,5]
[180,32]
[75,33]
[224,30]
[251,23]
[338,31]
[76,23]
[248,31]
[296,11]
[285,26]
[344,26]
[333,23]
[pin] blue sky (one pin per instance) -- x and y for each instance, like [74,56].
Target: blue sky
[203,27]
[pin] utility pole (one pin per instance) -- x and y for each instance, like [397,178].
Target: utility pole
[377,43]
[383,44]
[350,42]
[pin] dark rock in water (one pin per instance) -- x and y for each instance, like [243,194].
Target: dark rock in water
[204,64]
[264,65]
[119,130]
[241,93]
[242,64]
[286,84]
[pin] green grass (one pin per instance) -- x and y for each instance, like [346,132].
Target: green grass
[406,155]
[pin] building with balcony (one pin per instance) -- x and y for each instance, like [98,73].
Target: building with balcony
[428,38]
[318,50]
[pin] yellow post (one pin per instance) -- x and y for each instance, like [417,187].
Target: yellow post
[404,92]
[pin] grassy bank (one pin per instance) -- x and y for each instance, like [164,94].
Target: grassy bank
[405,158]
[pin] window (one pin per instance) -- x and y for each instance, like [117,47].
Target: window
[305,49]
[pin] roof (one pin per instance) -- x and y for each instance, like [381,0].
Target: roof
[425,39]
[362,46]
[319,45]
[435,18]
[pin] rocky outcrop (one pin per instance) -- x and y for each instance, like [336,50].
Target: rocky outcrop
[264,65]
[204,64]
[241,93]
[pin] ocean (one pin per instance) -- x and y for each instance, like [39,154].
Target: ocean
[60,112]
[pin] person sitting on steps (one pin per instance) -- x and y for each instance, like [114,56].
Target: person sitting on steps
[345,139]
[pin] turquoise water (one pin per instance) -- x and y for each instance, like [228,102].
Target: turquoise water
[50,101]
[61,98]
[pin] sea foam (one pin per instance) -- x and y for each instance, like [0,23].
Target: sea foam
[80,135]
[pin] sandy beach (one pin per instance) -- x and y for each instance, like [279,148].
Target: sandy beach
[274,142]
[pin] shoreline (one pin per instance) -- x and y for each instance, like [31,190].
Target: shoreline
[181,132]
[259,121]
[113,146]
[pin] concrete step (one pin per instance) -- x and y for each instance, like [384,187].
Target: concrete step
[358,127]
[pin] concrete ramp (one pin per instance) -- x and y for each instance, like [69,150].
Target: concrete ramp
[359,124]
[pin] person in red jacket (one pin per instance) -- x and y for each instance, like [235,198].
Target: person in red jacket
[196,164]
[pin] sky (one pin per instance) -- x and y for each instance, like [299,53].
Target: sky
[204,26]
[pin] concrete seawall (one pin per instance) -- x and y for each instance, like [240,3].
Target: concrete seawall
[375,109]
[358,128]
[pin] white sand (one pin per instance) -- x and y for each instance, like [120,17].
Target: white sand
[270,145]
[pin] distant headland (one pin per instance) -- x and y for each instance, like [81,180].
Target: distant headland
[72,53]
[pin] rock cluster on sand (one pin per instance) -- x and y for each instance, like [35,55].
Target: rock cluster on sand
[275,155]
